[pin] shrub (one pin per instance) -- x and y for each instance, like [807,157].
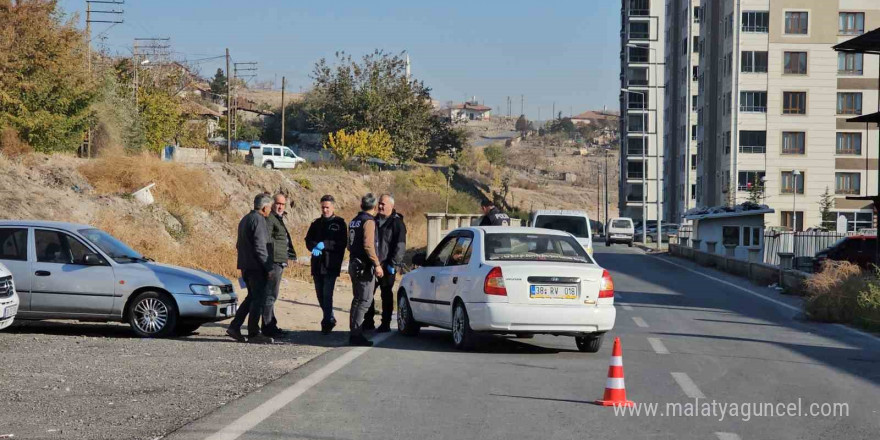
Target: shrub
[362,144]
[832,295]
[11,145]
[303,182]
[495,155]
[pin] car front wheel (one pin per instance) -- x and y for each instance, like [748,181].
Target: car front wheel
[406,323]
[268,165]
[589,344]
[153,315]
[463,337]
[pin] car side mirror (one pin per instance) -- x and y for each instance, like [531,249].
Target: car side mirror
[92,260]
[419,259]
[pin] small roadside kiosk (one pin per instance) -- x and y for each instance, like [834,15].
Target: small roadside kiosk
[737,233]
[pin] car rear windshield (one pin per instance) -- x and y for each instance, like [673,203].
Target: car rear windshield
[621,224]
[576,226]
[534,247]
[111,246]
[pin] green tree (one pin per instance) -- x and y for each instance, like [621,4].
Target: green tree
[756,192]
[826,202]
[160,117]
[372,94]
[362,144]
[218,84]
[522,124]
[495,155]
[45,89]
[445,138]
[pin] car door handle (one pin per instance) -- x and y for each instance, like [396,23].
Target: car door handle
[454,280]
[432,279]
[42,273]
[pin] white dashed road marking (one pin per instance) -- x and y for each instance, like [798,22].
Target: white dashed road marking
[726,436]
[658,346]
[688,386]
[640,322]
[253,418]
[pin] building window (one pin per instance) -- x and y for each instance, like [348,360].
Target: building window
[726,142]
[849,143]
[730,235]
[638,54]
[788,184]
[639,30]
[693,132]
[693,191]
[693,161]
[635,170]
[851,23]
[849,103]
[695,72]
[855,221]
[849,63]
[694,101]
[639,8]
[635,146]
[635,192]
[637,123]
[697,13]
[696,44]
[847,183]
[755,102]
[786,220]
[753,61]
[749,179]
[756,21]
[752,235]
[752,141]
[795,63]
[796,23]
[794,103]
[794,142]
[637,100]
[637,76]
[726,103]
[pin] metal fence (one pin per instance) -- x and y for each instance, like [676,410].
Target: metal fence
[804,245]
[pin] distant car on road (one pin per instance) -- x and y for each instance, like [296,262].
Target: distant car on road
[8,297]
[620,230]
[274,156]
[857,249]
[576,223]
[668,229]
[70,271]
[508,280]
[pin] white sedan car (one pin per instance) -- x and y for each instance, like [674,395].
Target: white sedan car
[8,298]
[508,280]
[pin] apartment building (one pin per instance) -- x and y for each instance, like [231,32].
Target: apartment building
[642,76]
[773,99]
[680,125]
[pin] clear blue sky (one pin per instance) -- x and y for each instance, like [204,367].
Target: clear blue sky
[564,51]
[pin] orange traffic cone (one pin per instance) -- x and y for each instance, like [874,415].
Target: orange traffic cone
[615,390]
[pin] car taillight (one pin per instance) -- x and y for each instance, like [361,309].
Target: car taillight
[494,284]
[606,285]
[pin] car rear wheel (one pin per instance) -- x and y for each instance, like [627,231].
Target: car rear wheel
[153,315]
[406,323]
[589,344]
[268,165]
[462,336]
[630,244]
[649,239]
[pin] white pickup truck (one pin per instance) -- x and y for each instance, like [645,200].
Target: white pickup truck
[274,156]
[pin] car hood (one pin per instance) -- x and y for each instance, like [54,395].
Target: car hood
[194,276]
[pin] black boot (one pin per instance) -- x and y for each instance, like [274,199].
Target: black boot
[385,327]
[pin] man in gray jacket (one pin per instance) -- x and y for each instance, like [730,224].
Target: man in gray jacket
[254,260]
[282,252]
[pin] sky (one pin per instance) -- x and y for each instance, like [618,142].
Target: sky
[563,52]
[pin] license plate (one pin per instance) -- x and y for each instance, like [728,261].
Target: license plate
[553,292]
[10,311]
[620,236]
[230,311]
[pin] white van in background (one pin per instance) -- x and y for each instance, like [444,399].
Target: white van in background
[576,223]
[274,156]
[619,230]
[8,297]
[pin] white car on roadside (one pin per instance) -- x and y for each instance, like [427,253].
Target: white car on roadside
[508,280]
[274,156]
[8,298]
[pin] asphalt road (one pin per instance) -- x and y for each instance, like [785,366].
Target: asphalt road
[689,336]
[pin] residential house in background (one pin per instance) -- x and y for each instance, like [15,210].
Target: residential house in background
[591,117]
[772,102]
[469,111]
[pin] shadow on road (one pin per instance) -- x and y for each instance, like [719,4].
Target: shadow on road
[432,340]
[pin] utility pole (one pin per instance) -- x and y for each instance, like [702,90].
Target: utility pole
[283,83]
[522,100]
[228,109]
[553,115]
[250,66]
[89,21]
[606,189]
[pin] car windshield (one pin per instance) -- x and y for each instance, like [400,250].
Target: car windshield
[534,247]
[115,249]
[576,226]
[621,224]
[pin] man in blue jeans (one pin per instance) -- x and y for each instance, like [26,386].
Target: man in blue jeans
[326,240]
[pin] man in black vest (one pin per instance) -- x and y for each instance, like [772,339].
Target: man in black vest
[364,267]
[392,246]
[492,216]
[282,252]
[326,240]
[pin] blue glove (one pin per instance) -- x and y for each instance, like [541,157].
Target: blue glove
[320,246]
[391,269]
[316,252]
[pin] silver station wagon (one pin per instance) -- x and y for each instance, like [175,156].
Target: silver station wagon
[70,271]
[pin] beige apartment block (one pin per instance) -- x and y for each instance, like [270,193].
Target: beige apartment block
[642,78]
[773,98]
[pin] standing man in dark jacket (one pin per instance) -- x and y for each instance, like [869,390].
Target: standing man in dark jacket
[364,267]
[326,240]
[492,216]
[282,252]
[392,247]
[255,262]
